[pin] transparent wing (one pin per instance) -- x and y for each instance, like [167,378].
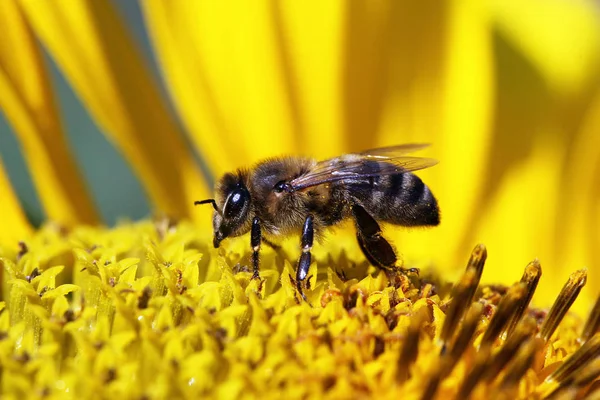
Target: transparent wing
[371,163]
[395,151]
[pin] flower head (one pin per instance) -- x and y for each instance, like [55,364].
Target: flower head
[144,312]
[507,93]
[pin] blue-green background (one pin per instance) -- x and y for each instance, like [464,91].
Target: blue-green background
[116,191]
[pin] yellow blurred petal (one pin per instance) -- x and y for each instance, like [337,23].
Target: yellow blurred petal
[223,68]
[417,42]
[387,74]
[469,92]
[313,41]
[96,53]
[191,90]
[560,37]
[518,225]
[26,99]
[14,224]
[578,212]
[444,96]
[258,83]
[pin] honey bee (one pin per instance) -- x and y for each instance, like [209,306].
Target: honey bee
[297,195]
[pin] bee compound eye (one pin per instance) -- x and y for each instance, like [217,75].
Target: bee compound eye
[236,204]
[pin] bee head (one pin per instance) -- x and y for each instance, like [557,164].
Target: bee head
[231,214]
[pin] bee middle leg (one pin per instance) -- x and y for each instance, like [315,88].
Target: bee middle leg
[255,240]
[375,247]
[306,243]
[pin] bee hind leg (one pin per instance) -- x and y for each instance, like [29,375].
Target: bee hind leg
[375,247]
[378,251]
[306,243]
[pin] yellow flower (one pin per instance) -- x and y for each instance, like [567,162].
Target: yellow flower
[148,310]
[507,92]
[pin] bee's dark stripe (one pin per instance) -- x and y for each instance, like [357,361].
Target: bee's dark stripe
[395,185]
[401,199]
[412,190]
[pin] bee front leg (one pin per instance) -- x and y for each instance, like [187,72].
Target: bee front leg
[255,239]
[305,259]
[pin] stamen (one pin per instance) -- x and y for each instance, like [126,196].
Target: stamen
[462,293]
[478,370]
[506,309]
[477,260]
[531,277]
[585,374]
[523,331]
[588,374]
[592,326]
[465,336]
[410,347]
[563,302]
[589,351]
[521,363]
[435,377]
[448,360]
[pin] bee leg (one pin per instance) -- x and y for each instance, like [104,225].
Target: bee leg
[376,249]
[305,259]
[368,256]
[255,239]
[272,245]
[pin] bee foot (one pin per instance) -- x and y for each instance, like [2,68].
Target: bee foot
[300,291]
[308,285]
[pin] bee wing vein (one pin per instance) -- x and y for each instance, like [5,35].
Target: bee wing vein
[361,166]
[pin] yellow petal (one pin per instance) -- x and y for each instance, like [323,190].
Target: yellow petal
[14,224]
[313,56]
[443,95]
[578,210]
[518,223]
[27,100]
[371,45]
[561,38]
[257,83]
[538,161]
[98,56]
[228,88]
[541,192]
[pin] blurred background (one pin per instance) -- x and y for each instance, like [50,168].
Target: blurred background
[125,109]
[116,190]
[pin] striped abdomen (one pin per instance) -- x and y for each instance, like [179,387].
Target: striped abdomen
[401,199]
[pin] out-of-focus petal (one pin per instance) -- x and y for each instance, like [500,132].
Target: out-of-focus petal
[314,50]
[223,66]
[96,53]
[442,92]
[27,100]
[375,54]
[519,220]
[251,81]
[547,69]
[533,171]
[561,38]
[14,223]
[578,209]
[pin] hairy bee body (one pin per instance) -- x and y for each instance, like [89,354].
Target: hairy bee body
[297,195]
[399,199]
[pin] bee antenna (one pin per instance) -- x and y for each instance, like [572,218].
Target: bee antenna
[211,201]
